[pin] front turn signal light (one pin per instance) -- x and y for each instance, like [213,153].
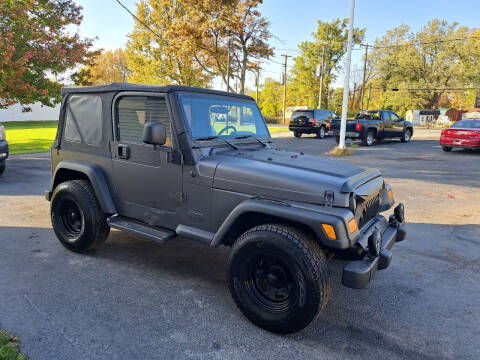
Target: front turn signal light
[390,194]
[352,225]
[330,231]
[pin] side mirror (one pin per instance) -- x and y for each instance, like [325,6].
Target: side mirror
[154,133]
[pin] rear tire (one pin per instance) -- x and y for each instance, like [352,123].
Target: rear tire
[297,134]
[321,133]
[447,148]
[77,219]
[278,276]
[369,138]
[2,166]
[407,135]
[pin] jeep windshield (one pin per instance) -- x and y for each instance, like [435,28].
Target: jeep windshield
[216,117]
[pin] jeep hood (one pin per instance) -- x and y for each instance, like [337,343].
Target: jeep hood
[291,176]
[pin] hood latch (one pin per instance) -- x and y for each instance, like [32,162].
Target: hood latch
[328,198]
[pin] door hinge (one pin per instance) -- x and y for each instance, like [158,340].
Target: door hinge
[175,157]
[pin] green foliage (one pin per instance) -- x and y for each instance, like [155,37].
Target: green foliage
[9,348]
[432,58]
[35,47]
[270,98]
[330,37]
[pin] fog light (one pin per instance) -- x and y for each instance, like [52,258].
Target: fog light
[330,231]
[375,243]
[352,225]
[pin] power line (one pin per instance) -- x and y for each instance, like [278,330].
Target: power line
[136,18]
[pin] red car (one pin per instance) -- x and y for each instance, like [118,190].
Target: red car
[463,134]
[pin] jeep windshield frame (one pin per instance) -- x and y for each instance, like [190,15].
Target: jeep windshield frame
[221,118]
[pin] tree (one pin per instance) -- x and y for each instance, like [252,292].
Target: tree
[270,98]
[105,68]
[192,39]
[157,54]
[422,64]
[35,48]
[330,37]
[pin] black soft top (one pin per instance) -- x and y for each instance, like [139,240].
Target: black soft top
[115,87]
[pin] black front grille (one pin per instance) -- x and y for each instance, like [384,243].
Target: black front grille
[367,209]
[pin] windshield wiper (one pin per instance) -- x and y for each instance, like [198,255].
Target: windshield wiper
[214,137]
[250,136]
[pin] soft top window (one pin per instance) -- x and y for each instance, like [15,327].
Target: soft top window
[83,119]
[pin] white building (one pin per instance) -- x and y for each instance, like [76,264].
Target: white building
[38,113]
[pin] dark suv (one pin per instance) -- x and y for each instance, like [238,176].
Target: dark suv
[311,121]
[3,149]
[162,162]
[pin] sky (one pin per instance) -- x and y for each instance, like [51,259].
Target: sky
[293,21]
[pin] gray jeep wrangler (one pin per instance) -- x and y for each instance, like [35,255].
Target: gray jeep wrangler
[162,162]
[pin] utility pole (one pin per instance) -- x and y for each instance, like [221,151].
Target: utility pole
[346,82]
[228,66]
[364,73]
[285,56]
[369,93]
[257,79]
[353,95]
[322,66]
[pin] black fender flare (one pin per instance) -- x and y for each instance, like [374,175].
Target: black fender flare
[97,179]
[307,217]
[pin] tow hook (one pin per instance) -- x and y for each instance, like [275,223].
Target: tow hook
[397,220]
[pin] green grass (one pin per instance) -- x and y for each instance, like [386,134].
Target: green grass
[28,137]
[278,129]
[9,347]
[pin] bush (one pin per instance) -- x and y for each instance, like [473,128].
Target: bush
[273,120]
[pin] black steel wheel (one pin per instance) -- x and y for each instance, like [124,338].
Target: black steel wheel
[278,277]
[77,219]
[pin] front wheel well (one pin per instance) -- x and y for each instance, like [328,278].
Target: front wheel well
[63,175]
[249,220]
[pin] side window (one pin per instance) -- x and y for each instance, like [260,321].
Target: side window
[83,119]
[386,116]
[132,112]
[394,117]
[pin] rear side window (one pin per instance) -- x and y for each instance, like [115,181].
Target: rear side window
[134,111]
[83,119]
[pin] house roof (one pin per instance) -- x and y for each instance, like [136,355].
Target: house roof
[116,87]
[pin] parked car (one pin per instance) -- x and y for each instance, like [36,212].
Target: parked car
[3,149]
[311,121]
[462,134]
[150,161]
[372,125]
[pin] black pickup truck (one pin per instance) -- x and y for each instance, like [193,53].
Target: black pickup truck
[374,124]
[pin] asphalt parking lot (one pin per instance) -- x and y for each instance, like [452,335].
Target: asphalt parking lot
[135,299]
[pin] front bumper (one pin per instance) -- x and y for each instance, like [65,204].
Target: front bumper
[357,274]
[3,150]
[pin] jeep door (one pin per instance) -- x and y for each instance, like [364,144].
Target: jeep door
[148,178]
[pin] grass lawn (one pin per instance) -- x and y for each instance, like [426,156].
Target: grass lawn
[27,137]
[9,347]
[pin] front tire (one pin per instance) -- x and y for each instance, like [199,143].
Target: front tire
[406,136]
[447,148]
[278,277]
[2,166]
[297,134]
[78,221]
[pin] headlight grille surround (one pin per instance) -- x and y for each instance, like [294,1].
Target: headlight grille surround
[367,209]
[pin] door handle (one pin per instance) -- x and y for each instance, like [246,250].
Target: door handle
[123,151]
